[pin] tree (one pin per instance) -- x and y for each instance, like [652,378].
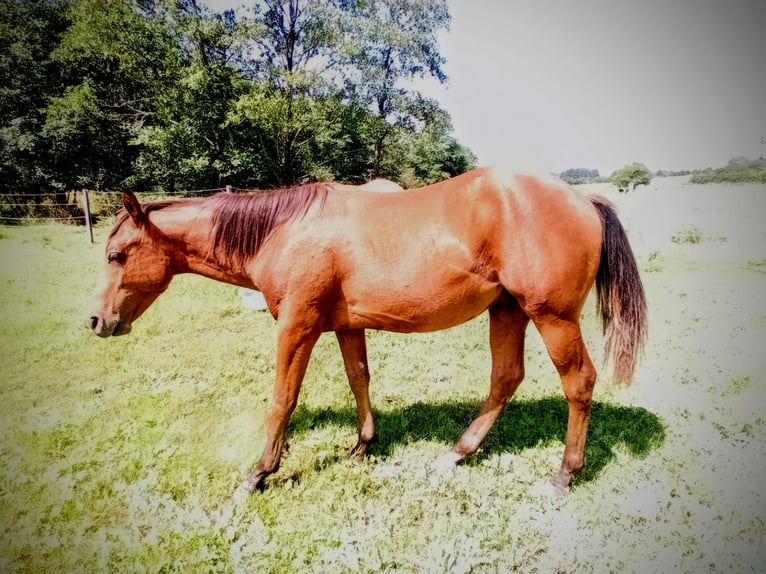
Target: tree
[431,153]
[282,140]
[579,175]
[316,56]
[28,33]
[737,170]
[294,45]
[167,94]
[188,146]
[390,42]
[121,66]
[630,176]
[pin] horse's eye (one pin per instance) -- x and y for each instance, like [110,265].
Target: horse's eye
[116,257]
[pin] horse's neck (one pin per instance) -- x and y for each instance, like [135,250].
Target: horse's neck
[190,231]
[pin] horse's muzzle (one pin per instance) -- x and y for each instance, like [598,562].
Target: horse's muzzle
[105,329]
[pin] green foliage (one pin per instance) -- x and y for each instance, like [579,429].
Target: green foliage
[634,174]
[27,31]
[120,66]
[672,172]
[579,175]
[694,235]
[170,95]
[738,170]
[689,235]
[388,41]
[190,150]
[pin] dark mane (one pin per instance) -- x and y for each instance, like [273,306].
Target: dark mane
[243,221]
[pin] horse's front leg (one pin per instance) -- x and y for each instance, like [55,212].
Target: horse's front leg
[294,344]
[354,350]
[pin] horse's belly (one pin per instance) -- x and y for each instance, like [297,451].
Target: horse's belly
[407,310]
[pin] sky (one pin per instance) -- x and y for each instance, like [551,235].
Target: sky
[546,85]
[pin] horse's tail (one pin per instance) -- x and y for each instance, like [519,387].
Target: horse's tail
[621,300]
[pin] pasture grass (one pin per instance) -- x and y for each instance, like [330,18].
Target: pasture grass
[122,455]
[694,235]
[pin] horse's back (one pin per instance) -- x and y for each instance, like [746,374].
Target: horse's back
[457,246]
[528,216]
[430,258]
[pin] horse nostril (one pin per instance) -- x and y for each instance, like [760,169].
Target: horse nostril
[93,323]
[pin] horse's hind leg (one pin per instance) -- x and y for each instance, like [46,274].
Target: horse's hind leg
[354,351]
[507,324]
[566,348]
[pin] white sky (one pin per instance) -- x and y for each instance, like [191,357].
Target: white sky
[545,85]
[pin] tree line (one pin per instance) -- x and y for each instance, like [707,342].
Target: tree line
[169,95]
[625,179]
[737,170]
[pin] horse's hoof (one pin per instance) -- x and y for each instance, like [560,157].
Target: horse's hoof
[546,489]
[240,495]
[444,463]
[357,453]
[356,456]
[251,485]
[560,491]
[560,485]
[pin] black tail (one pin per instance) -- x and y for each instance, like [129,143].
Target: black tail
[621,298]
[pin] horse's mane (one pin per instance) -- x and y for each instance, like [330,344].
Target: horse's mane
[243,221]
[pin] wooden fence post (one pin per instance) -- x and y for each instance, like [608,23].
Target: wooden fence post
[228,189]
[86,209]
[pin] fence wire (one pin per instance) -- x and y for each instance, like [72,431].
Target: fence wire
[10,210]
[31,219]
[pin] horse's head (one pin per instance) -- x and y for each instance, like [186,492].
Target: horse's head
[138,268]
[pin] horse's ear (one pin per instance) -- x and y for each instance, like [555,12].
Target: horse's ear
[132,206]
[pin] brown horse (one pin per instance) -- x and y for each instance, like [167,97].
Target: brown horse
[341,259]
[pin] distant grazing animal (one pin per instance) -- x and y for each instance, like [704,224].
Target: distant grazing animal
[330,258]
[381,185]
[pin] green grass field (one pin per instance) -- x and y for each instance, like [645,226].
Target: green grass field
[122,455]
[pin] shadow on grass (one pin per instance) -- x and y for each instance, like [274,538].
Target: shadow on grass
[522,425]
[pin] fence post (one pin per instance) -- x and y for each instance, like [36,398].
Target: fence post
[86,209]
[228,189]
